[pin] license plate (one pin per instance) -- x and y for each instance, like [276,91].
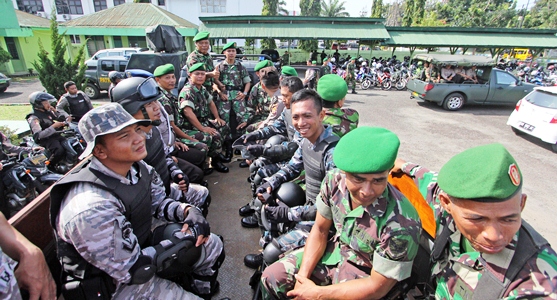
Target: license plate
[526,126]
[38,159]
[415,94]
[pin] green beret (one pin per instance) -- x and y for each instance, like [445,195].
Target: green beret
[197,67]
[163,70]
[229,45]
[288,71]
[203,35]
[263,64]
[366,150]
[332,88]
[314,62]
[485,173]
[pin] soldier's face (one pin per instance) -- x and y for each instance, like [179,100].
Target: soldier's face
[307,119]
[122,148]
[197,77]
[366,188]
[286,96]
[230,53]
[72,89]
[488,226]
[153,109]
[166,82]
[202,46]
[46,105]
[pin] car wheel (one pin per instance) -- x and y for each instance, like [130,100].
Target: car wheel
[3,89]
[516,131]
[454,101]
[366,84]
[91,91]
[554,147]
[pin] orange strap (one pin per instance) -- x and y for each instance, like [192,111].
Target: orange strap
[408,188]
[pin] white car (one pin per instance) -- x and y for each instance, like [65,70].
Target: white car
[127,52]
[536,115]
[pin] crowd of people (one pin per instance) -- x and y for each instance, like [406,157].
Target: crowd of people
[447,73]
[130,222]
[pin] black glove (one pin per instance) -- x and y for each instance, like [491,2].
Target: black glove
[256,150]
[181,176]
[249,137]
[278,214]
[263,188]
[197,223]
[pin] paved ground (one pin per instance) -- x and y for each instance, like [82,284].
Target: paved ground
[430,136]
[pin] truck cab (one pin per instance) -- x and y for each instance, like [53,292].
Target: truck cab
[97,74]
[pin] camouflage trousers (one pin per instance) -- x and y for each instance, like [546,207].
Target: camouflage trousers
[233,112]
[278,278]
[8,284]
[213,142]
[351,79]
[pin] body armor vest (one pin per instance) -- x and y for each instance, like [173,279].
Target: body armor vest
[156,157]
[314,167]
[78,106]
[290,130]
[46,119]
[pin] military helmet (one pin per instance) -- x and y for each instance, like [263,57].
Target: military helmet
[185,258]
[115,75]
[275,140]
[290,194]
[36,99]
[133,93]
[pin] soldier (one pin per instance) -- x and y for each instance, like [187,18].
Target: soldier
[201,55]
[483,249]
[259,101]
[285,59]
[333,90]
[73,104]
[196,105]
[350,75]
[187,149]
[325,69]
[231,102]
[288,71]
[102,217]
[311,75]
[377,229]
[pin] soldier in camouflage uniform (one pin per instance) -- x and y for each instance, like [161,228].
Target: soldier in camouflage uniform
[231,103]
[201,55]
[351,75]
[377,229]
[101,214]
[196,106]
[342,120]
[259,101]
[477,201]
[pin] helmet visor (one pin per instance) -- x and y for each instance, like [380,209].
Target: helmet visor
[148,89]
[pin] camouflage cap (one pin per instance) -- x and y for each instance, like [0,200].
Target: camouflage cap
[163,70]
[332,88]
[366,150]
[229,45]
[103,120]
[288,71]
[197,67]
[485,173]
[262,64]
[203,35]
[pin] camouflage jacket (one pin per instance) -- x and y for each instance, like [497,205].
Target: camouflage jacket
[383,236]
[207,60]
[259,103]
[198,99]
[171,105]
[342,120]
[460,272]
[351,69]
[233,75]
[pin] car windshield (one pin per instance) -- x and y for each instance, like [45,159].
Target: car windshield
[542,99]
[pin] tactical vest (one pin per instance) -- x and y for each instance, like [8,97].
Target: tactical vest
[46,119]
[314,167]
[156,157]
[78,106]
[489,286]
[238,82]
[290,130]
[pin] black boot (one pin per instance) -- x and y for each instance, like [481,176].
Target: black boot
[229,151]
[354,91]
[218,166]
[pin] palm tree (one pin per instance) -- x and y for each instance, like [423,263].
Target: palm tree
[333,9]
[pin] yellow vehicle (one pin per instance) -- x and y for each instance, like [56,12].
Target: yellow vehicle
[518,53]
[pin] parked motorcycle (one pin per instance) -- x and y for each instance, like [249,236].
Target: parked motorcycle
[24,179]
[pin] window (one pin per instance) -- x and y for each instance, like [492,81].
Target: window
[107,65]
[12,49]
[137,41]
[213,6]
[504,78]
[161,2]
[118,2]
[30,6]
[75,39]
[72,7]
[99,4]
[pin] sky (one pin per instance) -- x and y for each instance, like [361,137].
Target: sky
[354,7]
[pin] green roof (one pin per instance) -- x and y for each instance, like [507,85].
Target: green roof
[472,37]
[291,27]
[127,19]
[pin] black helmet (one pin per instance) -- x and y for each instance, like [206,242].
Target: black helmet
[290,194]
[115,75]
[133,93]
[36,99]
[275,140]
[185,258]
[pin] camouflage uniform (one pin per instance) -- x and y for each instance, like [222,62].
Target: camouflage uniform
[9,290]
[199,100]
[461,271]
[383,237]
[351,75]
[285,59]
[259,104]
[92,220]
[171,105]
[342,120]
[207,60]
[234,77]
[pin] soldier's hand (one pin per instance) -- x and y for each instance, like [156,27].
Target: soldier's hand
[249,137]
[240,96]
[32,274]
[181,146]
[303,289]
[398,165]
[210,130]
[223,96]
[256,150]
[197,224]
[216,73]
[279,213]
[58,124]
[264,188]
[241,125]
[221,122]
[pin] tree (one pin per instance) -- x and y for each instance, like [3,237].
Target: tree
[333,9]
[310,8]
[4,56]
[54,72]
[542,15]
[270,8]
[281,10]
[377,9]
[393,13]
[477,13]
[419,10]
[408,13]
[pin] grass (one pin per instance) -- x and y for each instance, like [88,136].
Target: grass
[14,112]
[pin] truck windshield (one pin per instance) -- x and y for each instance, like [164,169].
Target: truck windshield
[542,99]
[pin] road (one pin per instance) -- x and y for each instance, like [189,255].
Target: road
[429,136]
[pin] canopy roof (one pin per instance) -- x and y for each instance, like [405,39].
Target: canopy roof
[292,27]
[429,37]
[458,60]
